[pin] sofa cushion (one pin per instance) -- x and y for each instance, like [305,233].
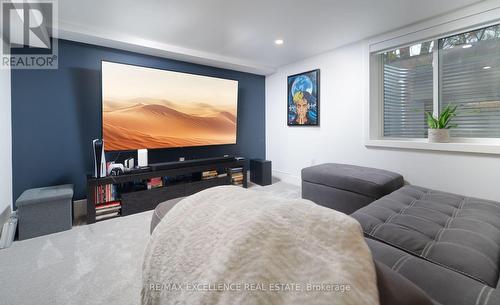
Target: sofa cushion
[444,286]
[370,182]
[394,289]
[457,232]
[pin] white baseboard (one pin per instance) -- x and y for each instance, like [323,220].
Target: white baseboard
[4,216]
[286,177]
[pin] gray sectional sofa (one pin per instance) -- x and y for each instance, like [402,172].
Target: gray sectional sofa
[393,288]
[449,245]
[446,244]
[429,247]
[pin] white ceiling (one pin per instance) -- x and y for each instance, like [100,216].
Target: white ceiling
[240,34]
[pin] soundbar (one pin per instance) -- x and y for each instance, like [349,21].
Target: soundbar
[186,163]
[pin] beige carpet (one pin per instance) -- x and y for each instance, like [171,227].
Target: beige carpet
[89,264]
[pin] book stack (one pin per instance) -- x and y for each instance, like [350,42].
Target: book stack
[107,210]
[236,175]
[154,183]
[107,203]
[209,175]
[106,193]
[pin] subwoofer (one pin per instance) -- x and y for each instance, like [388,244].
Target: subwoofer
[260,171]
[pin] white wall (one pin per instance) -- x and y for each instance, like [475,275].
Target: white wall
[6,139]
[340,136]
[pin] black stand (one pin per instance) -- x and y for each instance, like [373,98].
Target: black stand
[143,200]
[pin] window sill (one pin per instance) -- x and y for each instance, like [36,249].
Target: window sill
[488,146]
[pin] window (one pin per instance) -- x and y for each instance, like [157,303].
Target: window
[469,77]
[467,69]
[407,90]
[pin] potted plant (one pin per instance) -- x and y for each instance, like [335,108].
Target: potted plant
[439,128]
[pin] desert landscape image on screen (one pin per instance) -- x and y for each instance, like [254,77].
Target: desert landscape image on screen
[153,108]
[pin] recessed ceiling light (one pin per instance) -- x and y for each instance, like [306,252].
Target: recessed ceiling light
[486,67]
[279,41]
[466,46]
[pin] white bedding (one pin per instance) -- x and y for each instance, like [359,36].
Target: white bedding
[228,245]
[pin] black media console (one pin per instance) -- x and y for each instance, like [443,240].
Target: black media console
[128,194]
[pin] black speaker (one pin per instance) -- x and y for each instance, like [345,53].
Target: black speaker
[260,172]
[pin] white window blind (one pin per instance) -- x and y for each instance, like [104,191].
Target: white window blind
[408,90]
[469,77]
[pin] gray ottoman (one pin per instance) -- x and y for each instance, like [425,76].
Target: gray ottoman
[347,188]
[45,210]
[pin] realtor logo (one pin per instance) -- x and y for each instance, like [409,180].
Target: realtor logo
[28,34]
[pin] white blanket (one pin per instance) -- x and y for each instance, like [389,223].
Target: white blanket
[228,245]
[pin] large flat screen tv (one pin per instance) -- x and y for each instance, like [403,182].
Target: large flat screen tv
[153,108]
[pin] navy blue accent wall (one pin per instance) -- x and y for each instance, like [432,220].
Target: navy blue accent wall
[57,113]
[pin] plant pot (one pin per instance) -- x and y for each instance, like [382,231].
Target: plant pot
[439,135]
